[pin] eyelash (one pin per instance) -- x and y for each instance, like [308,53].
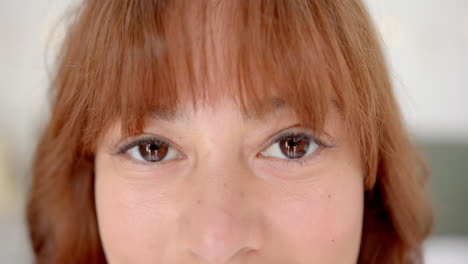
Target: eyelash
[143,140]
[134,142]
[122,150]
[309,136]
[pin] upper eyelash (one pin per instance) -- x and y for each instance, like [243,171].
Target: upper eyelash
[282,136]
[288,134]
[308,136]
[138,141]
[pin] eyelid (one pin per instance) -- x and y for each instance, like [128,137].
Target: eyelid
[123,148]
[131,142]
[127,144]
[294,131]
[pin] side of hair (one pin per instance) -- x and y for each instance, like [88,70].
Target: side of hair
[121,58]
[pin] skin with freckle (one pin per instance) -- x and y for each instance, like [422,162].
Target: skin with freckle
[248,209]
[221,203]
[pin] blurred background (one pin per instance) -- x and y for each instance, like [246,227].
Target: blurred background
[426,43]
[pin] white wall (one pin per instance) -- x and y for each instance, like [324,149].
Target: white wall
[427,46]
[25,26]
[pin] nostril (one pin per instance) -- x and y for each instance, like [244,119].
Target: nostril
[195,257]
[247,252]
[241,254]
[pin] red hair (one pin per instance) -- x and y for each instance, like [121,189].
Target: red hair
[121,58]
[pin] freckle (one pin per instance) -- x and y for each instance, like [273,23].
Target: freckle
[329,196]
[333,241]
[198,201]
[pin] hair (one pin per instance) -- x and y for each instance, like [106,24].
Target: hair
[121,58]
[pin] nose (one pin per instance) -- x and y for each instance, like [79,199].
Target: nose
[220,237]
[220,224]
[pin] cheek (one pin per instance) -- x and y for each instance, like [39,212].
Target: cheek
[314,220]
[134,219]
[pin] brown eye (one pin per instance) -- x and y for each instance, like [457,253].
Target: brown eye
[294,147]
[152,151]
[291,146]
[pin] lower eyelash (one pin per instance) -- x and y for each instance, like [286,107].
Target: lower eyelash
[303,160]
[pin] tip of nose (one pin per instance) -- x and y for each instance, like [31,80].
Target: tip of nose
[217,235]
[216,247]
[221,245]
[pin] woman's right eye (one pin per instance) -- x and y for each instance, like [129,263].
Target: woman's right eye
[151,150]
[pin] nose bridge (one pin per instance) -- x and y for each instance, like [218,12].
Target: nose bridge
[219,222]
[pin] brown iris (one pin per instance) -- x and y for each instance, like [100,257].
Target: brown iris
[153,151]
[294,147]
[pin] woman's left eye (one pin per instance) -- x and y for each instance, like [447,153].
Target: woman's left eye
[292,146]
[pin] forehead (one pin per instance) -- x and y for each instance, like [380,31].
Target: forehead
[269,107]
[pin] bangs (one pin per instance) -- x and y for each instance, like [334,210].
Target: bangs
[142,56]
[124,60]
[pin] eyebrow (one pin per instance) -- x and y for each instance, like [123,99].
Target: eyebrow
[170,115]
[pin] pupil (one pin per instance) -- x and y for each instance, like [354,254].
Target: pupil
[292,143]
[152,147]
[294,147]
[154,151]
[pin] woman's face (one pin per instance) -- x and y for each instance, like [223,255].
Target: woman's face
[209,186]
